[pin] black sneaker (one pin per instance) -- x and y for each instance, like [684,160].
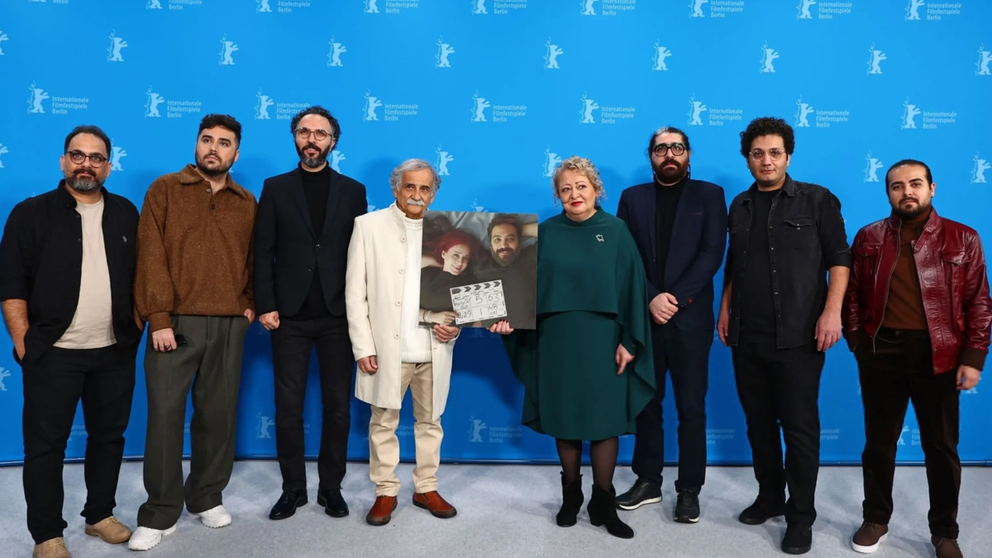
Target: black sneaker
[687,507]
[760,511]
[642,493]
[797,540]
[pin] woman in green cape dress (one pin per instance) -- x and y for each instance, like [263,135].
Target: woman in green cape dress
[587,369]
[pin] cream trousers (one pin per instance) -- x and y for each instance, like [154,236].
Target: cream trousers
[384,446]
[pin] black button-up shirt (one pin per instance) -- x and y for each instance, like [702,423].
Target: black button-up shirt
[41,258]
[806,237]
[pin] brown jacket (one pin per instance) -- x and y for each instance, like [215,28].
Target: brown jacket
[194,249]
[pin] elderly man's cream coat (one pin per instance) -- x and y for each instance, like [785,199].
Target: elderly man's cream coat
[377,261]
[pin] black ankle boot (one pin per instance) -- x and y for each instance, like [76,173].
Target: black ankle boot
[603,511]
[571,502]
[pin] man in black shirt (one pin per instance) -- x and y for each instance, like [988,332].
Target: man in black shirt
[67,288]
[679,225]
[780,317]
[304,224]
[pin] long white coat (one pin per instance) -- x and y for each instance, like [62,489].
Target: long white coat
[377,258]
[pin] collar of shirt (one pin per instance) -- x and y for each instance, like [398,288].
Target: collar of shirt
[789,188]
[189,176]
[65,198]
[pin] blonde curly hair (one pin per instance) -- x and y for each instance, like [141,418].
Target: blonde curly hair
[584,167]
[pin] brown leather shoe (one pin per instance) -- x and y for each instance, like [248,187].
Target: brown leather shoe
[52,548]
[433,502]
[946,548]
[382,511]
[867,539]
[110,530]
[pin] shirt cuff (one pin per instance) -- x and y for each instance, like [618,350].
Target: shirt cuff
[158,321]
[842,259]
[974,358]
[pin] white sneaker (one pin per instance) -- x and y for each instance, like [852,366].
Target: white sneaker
[146,538]
[214,518]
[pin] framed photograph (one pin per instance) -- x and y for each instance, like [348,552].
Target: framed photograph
[479,268]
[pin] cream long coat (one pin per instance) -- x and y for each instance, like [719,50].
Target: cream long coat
[377,261]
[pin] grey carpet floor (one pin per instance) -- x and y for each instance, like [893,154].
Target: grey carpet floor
[507,511]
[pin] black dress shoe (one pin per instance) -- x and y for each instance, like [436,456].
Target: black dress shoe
[642,493]
[287,504]
[760,511]
[797,540]
[333,502]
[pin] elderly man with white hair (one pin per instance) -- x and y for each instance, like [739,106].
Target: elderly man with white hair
[394,351]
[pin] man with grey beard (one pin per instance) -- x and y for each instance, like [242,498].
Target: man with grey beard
[299,293]
[68,261]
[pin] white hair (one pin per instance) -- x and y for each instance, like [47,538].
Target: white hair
[396,177]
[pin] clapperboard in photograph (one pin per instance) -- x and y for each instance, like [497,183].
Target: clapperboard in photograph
[478,302]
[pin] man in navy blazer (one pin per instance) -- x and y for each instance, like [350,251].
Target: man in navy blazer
[302,232]
[680,226]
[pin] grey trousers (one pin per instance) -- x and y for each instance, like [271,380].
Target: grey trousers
[211,363]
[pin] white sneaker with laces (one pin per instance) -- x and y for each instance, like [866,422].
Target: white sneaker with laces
[214,518]
[146,538]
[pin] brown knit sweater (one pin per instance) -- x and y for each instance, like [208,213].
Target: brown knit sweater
[904,308]
[194,249]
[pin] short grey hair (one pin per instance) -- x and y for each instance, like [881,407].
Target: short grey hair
[396,177]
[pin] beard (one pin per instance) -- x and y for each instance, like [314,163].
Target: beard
[669,175]
[212,168]
[909,213]
[83,184]
[313,162]
[504,256]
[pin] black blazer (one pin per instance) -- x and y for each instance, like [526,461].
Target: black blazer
[288,250]
[699,241]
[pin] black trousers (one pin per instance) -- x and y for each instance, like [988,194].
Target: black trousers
[782,387]
[53,386]
[292,344]
[898,371]
[686,354]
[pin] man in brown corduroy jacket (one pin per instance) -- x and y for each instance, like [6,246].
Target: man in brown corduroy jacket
[193,287]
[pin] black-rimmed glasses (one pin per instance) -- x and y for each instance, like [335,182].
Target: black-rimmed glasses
[77,158]
[660,149]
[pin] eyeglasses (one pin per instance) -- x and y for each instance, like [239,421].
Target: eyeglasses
[77,158]
[677,149]
[304,133]
[758,154]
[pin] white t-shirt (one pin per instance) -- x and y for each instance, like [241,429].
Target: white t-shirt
[92,325]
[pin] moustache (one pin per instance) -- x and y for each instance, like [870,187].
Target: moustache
[416,202]
[312,146]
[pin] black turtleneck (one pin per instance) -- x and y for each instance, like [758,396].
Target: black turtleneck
[664,216]
[316,188]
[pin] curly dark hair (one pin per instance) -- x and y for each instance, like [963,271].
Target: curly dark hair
[768,126]
[319,111]
[221,120]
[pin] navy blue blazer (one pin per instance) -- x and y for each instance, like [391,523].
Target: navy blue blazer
[698,244]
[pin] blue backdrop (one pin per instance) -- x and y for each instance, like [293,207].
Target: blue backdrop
[496,93]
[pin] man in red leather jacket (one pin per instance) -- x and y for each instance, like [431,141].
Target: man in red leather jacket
[917,316]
